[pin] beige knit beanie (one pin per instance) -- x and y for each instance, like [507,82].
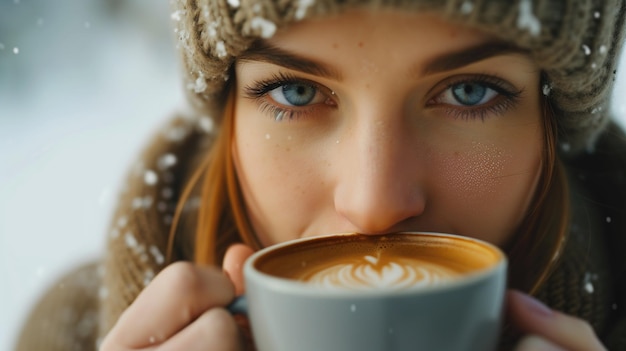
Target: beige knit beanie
[575,42]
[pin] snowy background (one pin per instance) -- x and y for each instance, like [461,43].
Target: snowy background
[82,85]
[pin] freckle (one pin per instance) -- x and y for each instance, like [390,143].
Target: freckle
[480,167]
[367,86]
[335,46]
[361,44]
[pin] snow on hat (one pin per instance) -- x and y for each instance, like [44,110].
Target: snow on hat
[575,42]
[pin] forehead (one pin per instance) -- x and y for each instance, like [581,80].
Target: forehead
[370,42]
[417,31]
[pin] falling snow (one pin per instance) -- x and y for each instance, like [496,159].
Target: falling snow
[16,50]
[596,14]
[602,50]
[156,253]
[546,89]
[220,49]
[586,49]
[303,6]
[587,284]
[212,29]
[526,19]
[206,124]
[200,85]
[1,46]
[166,161]
[353,308]
[150,177]
[233,3]
[130,240]
[608,219]
[147,277]
[467,7]
[176,15]
[266,27]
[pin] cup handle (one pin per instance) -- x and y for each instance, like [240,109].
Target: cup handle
[238,306]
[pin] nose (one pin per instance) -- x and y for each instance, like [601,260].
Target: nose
[379,184]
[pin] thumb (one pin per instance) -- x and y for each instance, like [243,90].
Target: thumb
[233,264]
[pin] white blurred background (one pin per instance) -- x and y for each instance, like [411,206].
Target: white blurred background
[83,83]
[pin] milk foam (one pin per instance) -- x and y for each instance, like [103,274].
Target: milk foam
[370,272]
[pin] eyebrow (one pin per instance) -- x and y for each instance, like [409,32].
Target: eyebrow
[467,56]
[264,52]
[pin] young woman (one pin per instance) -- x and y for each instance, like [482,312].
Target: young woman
[481,118]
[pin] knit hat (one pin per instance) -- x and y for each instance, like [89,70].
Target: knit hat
[574,42]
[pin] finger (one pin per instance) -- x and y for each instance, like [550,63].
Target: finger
[234,259]
[177,296]
[535,343]
[214,330]
[533,317]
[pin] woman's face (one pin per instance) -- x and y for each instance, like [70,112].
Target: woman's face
[378,122]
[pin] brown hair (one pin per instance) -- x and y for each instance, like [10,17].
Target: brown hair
[535,249]
[222,220]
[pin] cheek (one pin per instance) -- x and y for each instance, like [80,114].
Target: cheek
[486,188]
[273,171]
[476,172]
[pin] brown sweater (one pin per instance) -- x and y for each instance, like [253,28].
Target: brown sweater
[78,310]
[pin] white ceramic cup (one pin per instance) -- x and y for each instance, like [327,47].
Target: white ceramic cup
[457,313]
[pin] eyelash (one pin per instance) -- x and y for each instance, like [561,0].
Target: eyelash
[259,90]
[506,98]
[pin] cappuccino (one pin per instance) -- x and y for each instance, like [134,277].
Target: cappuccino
[393,292]
[393,261]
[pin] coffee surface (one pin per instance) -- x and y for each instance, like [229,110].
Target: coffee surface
[394,261]
[378,272]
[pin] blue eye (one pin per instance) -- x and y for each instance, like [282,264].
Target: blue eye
[470,94]
[294,94]
[475,96]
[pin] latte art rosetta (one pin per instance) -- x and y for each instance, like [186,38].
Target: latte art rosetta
[369,272]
